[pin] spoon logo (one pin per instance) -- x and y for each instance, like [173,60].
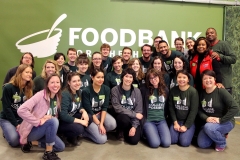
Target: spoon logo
[46,47]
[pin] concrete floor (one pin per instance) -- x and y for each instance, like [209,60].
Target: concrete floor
[116,150]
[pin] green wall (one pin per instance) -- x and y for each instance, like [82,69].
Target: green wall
[19,19]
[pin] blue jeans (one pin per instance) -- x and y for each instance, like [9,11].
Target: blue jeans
[9,132]
[214,132]
[182,138]
[93,133]
[47,135]
[157,133]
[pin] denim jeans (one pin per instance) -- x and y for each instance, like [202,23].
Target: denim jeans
[93,133]
[157,133]
[182,138]
[9,132]
[47,133]
[214,132]
[124,123]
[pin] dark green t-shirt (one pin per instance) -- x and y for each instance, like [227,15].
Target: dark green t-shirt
[72,68]
[53,107]
[219,104]
[156,107]
[183,105]
[112,79]
[12,99]
[107,65]
[85,80]
[94,102]
[145,65]
[126,100]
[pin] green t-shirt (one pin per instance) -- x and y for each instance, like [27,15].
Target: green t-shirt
[219,104]
[112,79]
[39,83]
[145,65]
[11,101]
[183,105]
[156,107]
[53,107]
[107,65]
[94,102]
[85,80]
[126,100]
[72,68]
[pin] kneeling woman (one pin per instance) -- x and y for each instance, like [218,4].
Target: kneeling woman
[127,103]
[40,122]
[154,95]
[183,108]
[73,118]
[217,110]
[95,100]
[15,93]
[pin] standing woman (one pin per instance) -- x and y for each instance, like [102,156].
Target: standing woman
[157,63]
[217,111]
[95,100]
[190,41]
[63,69]
[40,122]
[183,108]
[82,63]
[73,118]
[15,93]
[127,103]
[179,64]
[113,78]
[135,64]
[27,58]
[202,61]
[49,67]
[154,95]
[96,62]
[126,56]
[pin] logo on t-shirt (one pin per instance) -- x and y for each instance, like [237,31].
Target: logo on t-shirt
[207,106]
[156,102]
[181,104]
[127,102]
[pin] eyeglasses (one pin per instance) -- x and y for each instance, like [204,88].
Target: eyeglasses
[95,59]
[153,78]
[30,58]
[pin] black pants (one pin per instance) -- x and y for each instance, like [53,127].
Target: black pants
[71,130]
[124,124]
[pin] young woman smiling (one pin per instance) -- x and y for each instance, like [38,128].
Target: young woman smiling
[95,100]
[135,64]
[113,77]
[127,103]
[50,67]
[183,108]
[154,95]
[40,122]
[217,111]
[73,118]
[15,93]
[157,63]
[179,64]
[82,63]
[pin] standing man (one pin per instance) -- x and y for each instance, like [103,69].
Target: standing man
[72,56]
[223,52]
[146,58]
[106,60]
[126,56]
[156,51]
[168,57]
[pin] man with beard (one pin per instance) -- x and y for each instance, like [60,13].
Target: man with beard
[168,57]
[146,58]
[224,54]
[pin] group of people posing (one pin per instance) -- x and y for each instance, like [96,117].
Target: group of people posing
[164,97]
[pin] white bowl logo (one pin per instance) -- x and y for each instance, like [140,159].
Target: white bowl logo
[46,47]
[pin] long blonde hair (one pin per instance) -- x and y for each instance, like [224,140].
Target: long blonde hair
[44,74]
[16,80]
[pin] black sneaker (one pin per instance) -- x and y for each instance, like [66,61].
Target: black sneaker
[26,147]
[50,156]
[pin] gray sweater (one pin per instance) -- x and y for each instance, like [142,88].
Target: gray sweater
[117,94]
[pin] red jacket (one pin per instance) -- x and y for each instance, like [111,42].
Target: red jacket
[206,64]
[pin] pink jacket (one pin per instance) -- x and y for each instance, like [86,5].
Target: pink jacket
[31,112]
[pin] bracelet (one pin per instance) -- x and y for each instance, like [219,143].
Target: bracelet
[98,124]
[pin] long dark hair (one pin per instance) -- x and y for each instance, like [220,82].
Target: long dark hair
[92,66]
[67,87]
[161,85]
[207,43]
